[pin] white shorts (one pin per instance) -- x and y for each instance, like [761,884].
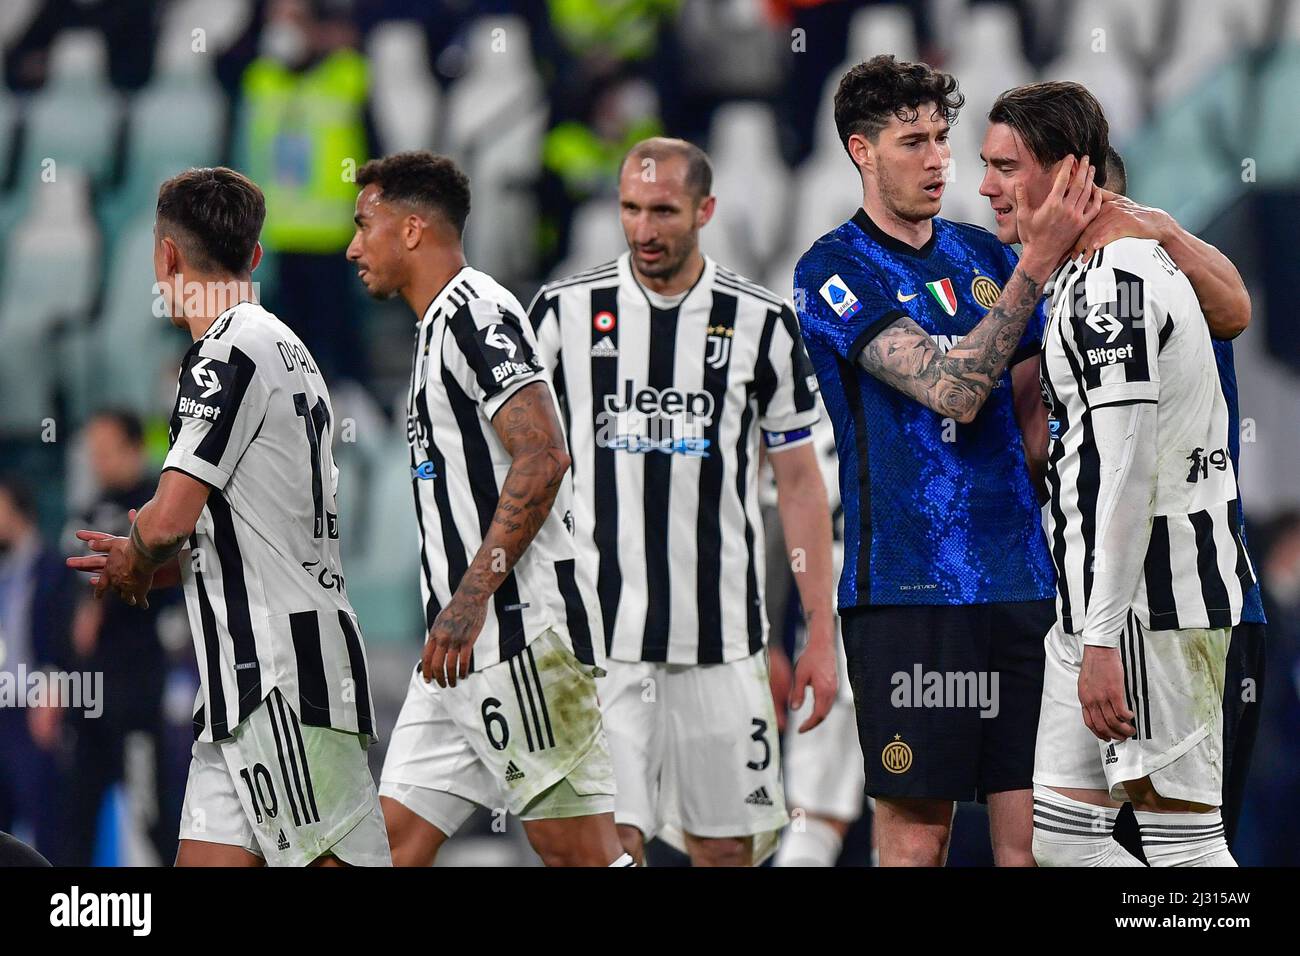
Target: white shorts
[1174,684]
[286,792]
[501,738]
[695,750]
[824,776]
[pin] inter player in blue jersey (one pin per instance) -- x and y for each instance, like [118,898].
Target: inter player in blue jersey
[917,328]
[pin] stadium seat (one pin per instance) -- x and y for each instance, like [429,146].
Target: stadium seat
[596,237]
[74,118]
[495,120]
[1207,34]
[1276,148]
[15,16]
[174,123]
[882,28]
[827,191]
[751,183]
[382,557]
[136,347]
[222,22]
[1094,53]
[52,266]
[987,59]
[404,98]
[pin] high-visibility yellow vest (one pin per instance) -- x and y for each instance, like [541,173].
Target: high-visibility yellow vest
[304,137]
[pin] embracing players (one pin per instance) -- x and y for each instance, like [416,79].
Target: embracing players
[245,516]
[1142,522]
[501,711]
[670,367]
[912,323]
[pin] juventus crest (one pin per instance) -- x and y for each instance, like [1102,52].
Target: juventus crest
[719,345]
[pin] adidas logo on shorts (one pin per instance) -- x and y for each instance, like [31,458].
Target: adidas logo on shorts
[513,773]
[759,797]
[282,842]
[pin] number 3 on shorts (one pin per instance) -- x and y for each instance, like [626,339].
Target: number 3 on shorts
[760,735]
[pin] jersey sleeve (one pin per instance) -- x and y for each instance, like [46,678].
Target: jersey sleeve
[221,403]
[544,317]
[842,303]
[1118,326]
[1031,343]
[787,385]
[491,353]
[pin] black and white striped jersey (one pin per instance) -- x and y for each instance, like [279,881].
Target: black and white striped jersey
[473,351]
[1143,510]
[664,400]
[264,586]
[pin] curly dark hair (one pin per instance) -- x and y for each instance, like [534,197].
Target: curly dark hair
[422,179]
[876,89]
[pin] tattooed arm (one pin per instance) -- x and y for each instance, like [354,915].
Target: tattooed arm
[530,431]
[957,384]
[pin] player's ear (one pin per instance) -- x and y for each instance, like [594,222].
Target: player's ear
[862,151]
[413,231]
[257,257]
[704,212]
[171,256]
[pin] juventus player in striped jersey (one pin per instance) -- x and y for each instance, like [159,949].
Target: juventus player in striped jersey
[1142,526]
[668,366]
[245,516]
[502,709]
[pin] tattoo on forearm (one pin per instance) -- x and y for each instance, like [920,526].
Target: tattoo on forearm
[956,384]
[157,556]
[532,435]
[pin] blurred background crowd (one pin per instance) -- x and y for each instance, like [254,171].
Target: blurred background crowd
[537,100]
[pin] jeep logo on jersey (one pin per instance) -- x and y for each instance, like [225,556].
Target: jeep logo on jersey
[416,434]
[670,401]
[206,377]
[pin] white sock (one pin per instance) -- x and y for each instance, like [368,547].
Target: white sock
[1184,839]
[624,860]
[1068,832]
[816,843]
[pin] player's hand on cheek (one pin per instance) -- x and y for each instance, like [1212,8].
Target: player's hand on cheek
[1050,231]
[1101,694]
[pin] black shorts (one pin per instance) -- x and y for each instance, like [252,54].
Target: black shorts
[947,696]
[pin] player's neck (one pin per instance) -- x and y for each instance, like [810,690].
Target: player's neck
[431,278]
[915,234]
[679,281]
[206,298]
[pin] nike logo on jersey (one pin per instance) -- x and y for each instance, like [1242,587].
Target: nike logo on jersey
[906,298]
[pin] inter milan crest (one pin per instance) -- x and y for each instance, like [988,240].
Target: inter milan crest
[719,343]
